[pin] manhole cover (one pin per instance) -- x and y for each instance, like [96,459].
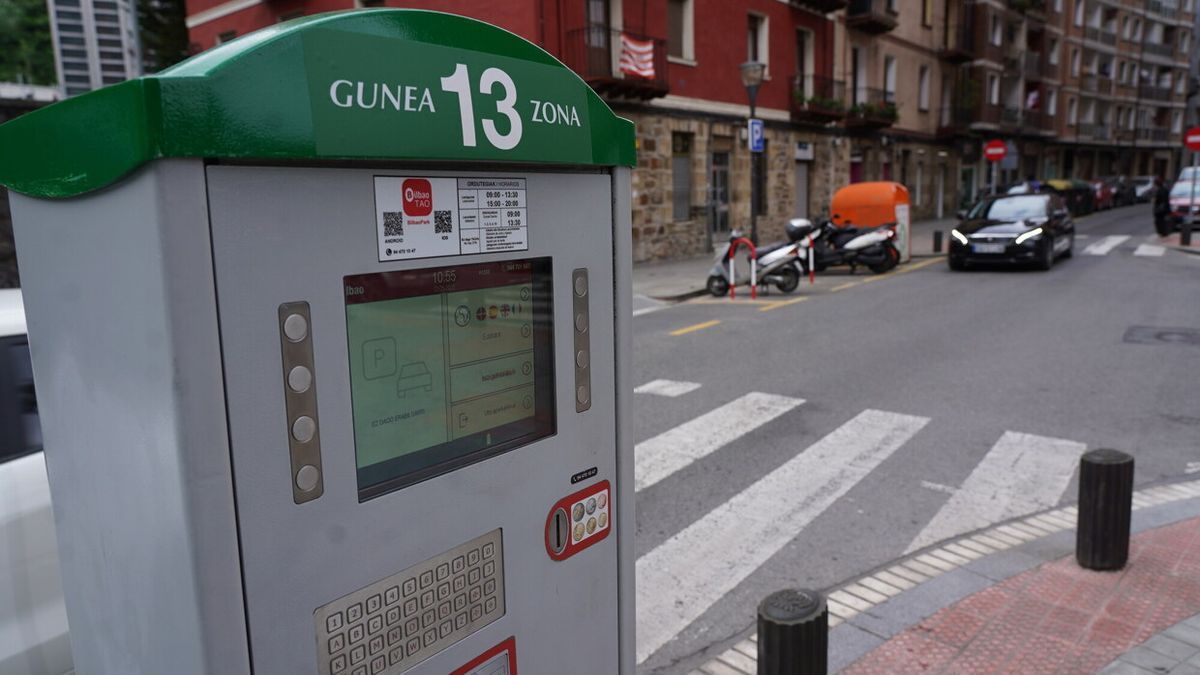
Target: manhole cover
[1155,335]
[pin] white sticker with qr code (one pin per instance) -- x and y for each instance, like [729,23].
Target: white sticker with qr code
[420,217]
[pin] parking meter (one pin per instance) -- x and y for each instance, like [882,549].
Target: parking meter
[330,330]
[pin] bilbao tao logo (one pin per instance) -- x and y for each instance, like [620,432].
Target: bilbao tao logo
[418,197]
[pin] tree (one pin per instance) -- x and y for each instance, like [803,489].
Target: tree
[163,32]
[26,52]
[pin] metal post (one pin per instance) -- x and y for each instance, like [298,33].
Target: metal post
[995,170]
[753,91]
[937,241]
[1186,228]
[793,633]
[1105,505]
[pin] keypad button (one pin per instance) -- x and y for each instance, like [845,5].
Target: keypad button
[426,579]
[475,594]
[396,656]
[473,576]
[393,636]
[427,599]
[413,646]
[337,643]
[489,605]
[410,607]
[412,626]
[357,633]
[338,663]
[375,645]
[489,568]
[476,612]
[375,624]
[392,595]
[409,586]
[459,583]
[445,629]
[354,613]
[489,586]
[374,603]
[443,571]
[428,618]
[358,654]
[393,616]
[333,622]
[361,670]
[378,665]
[473,557]
[459,564]
[460,621]
[429,637]
[443,591]
[443,610]
[460,602]
[489,550]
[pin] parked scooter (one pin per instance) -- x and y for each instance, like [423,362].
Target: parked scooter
[872,248]
[777,263]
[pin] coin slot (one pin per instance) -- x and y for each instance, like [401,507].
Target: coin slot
[560,527]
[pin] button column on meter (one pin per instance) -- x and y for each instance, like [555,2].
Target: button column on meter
[582,351]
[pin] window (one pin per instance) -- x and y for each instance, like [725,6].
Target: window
[1137,30]
[760,179]
[1125,28]
[804,60]
[757,47]
[20,431]
[997,31]
[993,89]
[923,88]
[927,13]
[681,176]
[680,30]
[1072,111]
[1177,122]
[226,36]
[1058,6]
[1078,12]
[1053,51]
[1052,102]
[889,79]
[920,180]
[1075,63]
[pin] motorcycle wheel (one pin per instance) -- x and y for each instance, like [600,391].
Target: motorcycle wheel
[718,286]
[891,258]
[789,281]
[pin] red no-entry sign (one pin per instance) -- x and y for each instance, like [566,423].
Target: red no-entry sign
[994,151]
[1192,139]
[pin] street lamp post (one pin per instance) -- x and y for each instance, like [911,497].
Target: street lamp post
[752,77]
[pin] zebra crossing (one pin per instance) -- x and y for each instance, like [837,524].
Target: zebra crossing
[687,574]
[1148,247]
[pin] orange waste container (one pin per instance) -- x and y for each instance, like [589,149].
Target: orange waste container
[872,205]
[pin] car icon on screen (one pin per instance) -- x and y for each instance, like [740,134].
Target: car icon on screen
[413,376]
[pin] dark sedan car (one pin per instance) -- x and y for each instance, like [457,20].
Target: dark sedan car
[1033,229]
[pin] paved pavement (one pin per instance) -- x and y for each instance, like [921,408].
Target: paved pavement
[808,439]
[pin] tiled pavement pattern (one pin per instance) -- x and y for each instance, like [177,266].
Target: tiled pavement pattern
[1175,650]
[944,566]
[1057,618]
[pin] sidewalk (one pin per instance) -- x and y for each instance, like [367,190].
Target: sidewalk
[675,280]
[1012,599]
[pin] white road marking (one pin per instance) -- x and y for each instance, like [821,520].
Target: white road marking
[1106,244]
[938,487]
[1149,250]
[669,388]
[1192,467]
[670,451]
[1021,474]
[647,310]
[685,575]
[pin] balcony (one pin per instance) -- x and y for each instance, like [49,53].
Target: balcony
[1151,92]
[955,120]
[871,16]
[1033,66]
[1093,131]
[1153,134]
[1159,50]
[595,53]
[1024,6]
[1097,34]
[1162,9]
[872,109]
[822,6]
[959,42]
[818,100]
[1010,116]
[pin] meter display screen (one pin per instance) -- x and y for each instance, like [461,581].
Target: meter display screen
[448,366]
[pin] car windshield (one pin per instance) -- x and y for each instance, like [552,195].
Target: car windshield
[1012,208]
[1183,189]
[1187,173]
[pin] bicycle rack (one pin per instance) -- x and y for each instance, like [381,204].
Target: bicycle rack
[753,268]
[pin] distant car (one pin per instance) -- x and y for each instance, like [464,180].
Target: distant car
[33,618]
[1186,174]
[1143,188]
[1182,196]
[1103,195]
[1018,229]
[1122,189]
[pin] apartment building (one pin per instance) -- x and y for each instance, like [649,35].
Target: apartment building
[95,43]
[904,90]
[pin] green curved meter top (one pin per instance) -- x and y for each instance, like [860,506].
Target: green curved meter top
[366,84]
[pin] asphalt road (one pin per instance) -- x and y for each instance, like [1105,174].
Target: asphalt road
[832,434]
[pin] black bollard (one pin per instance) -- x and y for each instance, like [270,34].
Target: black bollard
[937,241]
[1105,504]
[1185,232]
[793,633]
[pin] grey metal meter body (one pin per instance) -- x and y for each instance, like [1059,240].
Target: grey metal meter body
[356,411]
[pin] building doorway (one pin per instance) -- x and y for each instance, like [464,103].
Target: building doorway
[718,182]
[801,208]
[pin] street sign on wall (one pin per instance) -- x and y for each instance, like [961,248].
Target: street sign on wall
[994,151]
[754,135]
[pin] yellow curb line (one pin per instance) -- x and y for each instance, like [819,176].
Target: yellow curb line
[843,287]
[726,300]
[695,327]
[917,266]
[780,303]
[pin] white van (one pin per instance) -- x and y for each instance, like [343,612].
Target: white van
[33,619]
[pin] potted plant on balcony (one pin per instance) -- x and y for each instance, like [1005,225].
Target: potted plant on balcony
[817,102]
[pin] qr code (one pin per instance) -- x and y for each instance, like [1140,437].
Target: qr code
[442,224]
[393,224]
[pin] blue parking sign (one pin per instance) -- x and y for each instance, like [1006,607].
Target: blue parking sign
[754,135]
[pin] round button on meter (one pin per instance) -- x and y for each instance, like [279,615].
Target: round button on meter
[299,379]
[304,428]
[581,286]
[581,322]
[307,477]
[295,327]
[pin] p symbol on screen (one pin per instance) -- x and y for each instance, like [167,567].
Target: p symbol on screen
[379,358]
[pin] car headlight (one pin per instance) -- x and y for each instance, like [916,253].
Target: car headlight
[1026,236]
[962,238]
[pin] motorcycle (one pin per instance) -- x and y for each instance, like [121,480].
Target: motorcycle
[831,245]
[778,263]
